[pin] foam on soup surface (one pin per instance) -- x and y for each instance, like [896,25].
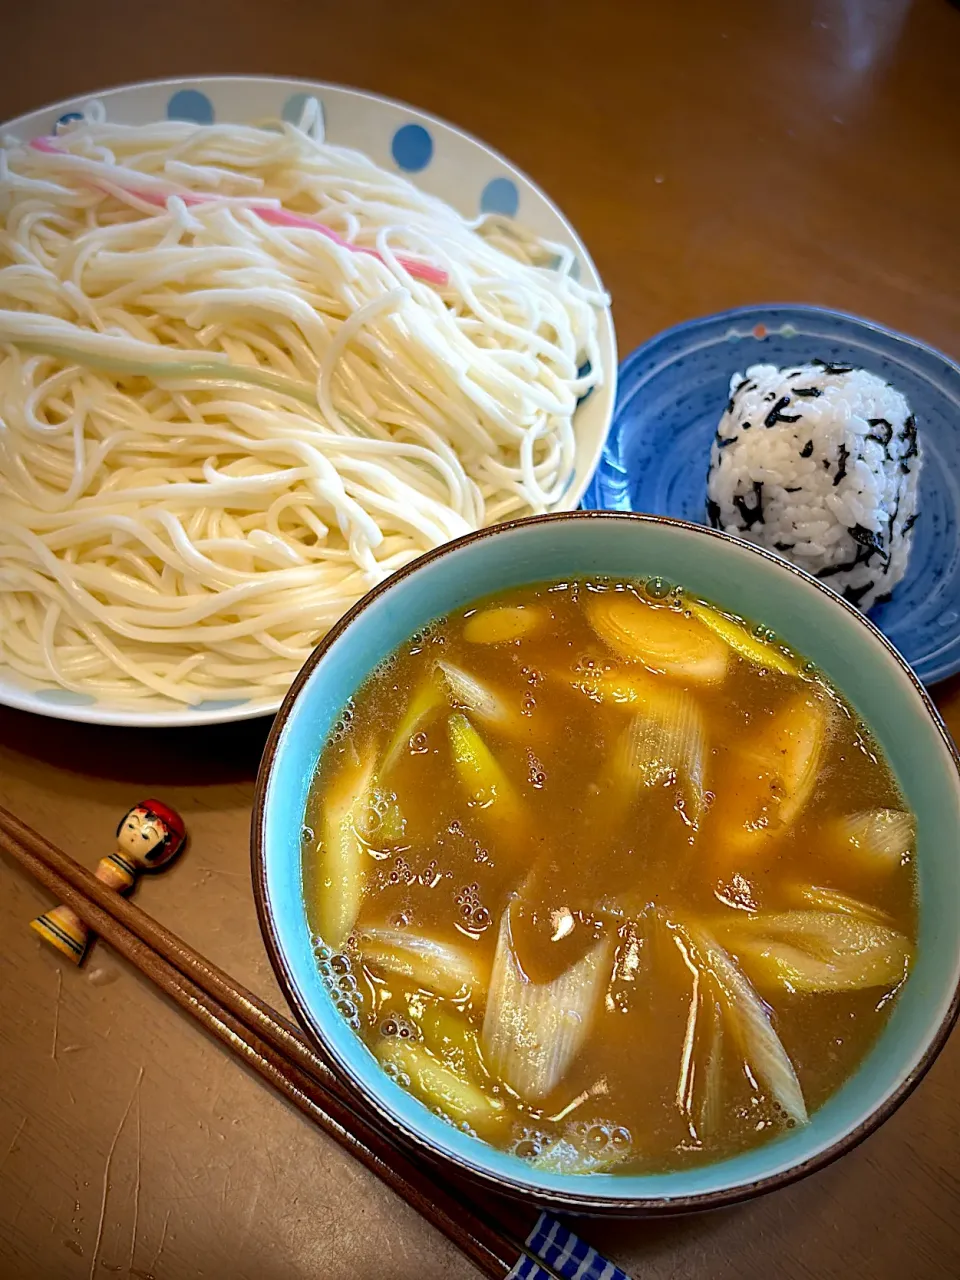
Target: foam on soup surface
[609,877]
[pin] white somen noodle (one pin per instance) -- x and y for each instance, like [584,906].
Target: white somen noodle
[220,424]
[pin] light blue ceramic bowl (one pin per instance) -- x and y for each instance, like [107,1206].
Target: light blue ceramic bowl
[816,622]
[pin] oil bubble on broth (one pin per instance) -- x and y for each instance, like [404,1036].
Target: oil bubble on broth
[609,877]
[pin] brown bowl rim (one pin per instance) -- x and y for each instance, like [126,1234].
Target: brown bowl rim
[574,1200]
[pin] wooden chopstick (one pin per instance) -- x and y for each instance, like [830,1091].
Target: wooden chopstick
[264,1040]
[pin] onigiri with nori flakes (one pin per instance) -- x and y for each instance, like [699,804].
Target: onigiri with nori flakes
[819,463]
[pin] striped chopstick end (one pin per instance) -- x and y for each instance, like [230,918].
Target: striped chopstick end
[565,1253]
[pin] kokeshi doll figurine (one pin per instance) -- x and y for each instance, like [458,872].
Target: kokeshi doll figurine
[149,837]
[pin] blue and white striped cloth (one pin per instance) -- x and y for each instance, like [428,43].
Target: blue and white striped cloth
[569,1256]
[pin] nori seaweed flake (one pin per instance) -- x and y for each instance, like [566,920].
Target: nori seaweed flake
[856,594]
[910,522]
[723,441]
[713,513]
[807,450]
[868,543]
[770,396]
[831,569]
[826,464]
[807,391]
[776,414]
[735,392]
[909,433]
[843,459]
[751,515]
[891,521]
[784,546]
[798,489]
[884,599]
[871,542]
[827,367]
[883,431]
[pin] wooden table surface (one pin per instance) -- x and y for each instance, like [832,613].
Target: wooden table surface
[710,155]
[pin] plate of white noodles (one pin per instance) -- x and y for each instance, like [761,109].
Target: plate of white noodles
[263,342]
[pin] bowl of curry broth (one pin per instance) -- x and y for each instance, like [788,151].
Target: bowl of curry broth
[616,861]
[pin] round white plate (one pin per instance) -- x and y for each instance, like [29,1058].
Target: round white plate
[436,156]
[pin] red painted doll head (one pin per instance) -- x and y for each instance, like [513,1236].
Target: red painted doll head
[151,834]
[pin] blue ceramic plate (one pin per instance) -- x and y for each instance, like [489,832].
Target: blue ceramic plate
[672,391]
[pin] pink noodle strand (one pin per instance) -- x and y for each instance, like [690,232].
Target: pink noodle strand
[276,217]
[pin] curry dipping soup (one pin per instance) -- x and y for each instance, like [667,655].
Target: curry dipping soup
[609,877]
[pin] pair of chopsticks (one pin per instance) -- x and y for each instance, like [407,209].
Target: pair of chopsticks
[272,1047]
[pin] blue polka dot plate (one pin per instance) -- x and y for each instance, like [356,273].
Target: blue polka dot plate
[673,389]
[440,159]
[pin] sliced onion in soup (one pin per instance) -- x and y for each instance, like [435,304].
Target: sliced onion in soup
[819,950]
[451,1038]
[533,1031]
[699,1092]
[634,690]
[438,1085]
[423,706]
[661,638]
[879,838]
[708,1104]
[794,743]
[440,967]
[756,649]
[466,691]
[572,1155]
[814,895]
[480,774]
[342,852]
[502,623]
[663,744]
[773,778]
[748,1019]
[379,820]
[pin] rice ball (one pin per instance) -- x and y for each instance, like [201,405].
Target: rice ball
[819,464]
